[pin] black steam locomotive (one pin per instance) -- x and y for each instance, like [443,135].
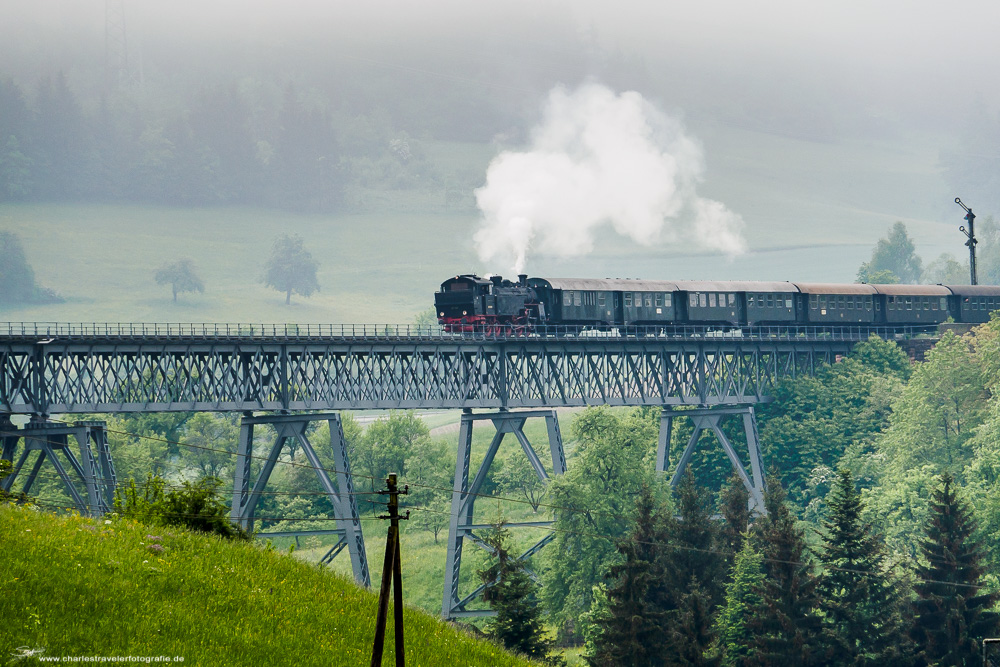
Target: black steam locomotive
[470,303]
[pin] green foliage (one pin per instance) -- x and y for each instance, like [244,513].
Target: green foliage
[197,506]
[209,444]
[895,254]
[814,420]
[291,268]
[179,593]
[785,623]
[632,614]
[938,410]
[946,270]
[610,466]
[514,476]
[951,616]
[388,445]
[181,277]
[17,278]
[860,597]
[733,633]
[429,469]
[512,594]
[15,171]
[6,496]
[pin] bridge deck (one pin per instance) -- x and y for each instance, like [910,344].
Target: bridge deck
[50,368]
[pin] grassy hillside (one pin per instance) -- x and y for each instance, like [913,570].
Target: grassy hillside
[81,587]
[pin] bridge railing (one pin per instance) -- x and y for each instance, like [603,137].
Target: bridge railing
[43,331]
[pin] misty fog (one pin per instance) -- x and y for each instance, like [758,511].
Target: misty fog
[811,128]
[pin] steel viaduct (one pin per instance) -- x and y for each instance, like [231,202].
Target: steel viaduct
[287,376]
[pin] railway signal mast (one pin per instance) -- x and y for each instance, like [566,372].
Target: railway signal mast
[971,243]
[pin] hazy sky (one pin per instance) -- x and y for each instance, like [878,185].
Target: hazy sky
[906,57]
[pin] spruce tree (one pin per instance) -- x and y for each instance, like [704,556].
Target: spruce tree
[631,627]
[861,603]
[694,571]
[732,626]
[691,632]
[951,616]
[512,594]
[735,506]
[786,624]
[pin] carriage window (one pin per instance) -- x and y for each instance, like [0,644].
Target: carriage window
[868,303]
[769,301]
[859,302]
[909,303]
[711,300]
[649,301]
[602,299]
[668,300]
[658,299]
[944,303]
[702,300]
[850,303]
[732,300]
[813,301]
[934,304]
[751,302]
[927,303]
[692,300]
[822,301]
[628,299]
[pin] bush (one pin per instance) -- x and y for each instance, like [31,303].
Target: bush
[197,506]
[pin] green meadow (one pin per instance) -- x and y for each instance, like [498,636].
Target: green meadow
[813,211]
[82,587]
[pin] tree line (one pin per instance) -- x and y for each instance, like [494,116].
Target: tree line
[231,144]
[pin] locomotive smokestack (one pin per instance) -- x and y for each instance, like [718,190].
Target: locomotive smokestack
[522,279]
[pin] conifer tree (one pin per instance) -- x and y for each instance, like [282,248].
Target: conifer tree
[786,624]
[735,501]
[951,615]
[860,599]
[691,633]
[512,594]
[631,627]
[694,571]
[734,636]
[694,539]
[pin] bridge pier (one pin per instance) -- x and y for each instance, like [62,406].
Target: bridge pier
[464,496]
[49,439]
[709,419]
[341,495]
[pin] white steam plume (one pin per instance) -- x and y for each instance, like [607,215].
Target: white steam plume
[599,158]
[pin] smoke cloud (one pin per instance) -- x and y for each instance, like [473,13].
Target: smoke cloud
[599,159]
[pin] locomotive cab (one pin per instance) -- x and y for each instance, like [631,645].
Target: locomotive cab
[463,299]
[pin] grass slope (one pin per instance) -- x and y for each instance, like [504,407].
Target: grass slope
[80,587]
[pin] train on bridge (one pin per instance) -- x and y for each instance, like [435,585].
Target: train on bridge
[468,303]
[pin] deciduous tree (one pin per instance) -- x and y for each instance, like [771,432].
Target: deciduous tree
[894,253]
[291,268]
[181,276]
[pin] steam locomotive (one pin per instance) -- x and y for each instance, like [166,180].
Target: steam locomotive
[469,303]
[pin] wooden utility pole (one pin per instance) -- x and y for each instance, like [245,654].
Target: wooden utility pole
[392,575]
